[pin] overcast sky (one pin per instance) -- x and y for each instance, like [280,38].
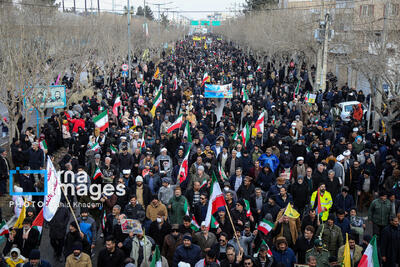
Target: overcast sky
[176,5]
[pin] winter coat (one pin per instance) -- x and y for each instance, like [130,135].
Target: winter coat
[83,261]
[169,246]
[190,255]
[331,236]
[176,209]
[157,233]
[390,246]
[379,212]
[114,259]
[300,195]
[58,225]
[287,257]
[73,237]
[135,212]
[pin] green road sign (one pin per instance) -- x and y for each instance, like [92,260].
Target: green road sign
[194,23]
[216,23]
[205,22]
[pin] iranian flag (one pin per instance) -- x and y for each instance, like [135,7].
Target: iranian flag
[52,199]
[186,207]
[203,184]
[97,173]
[4,228]
[175,83]
[38,222]
[156,102]
[156,260]
[113,149]
[142,143]
[214,223]
[104,220]
[296,90]
[217,200]
[183,170]
[95,147]
[222,173]
[260,123]
[247,207]
[206,78]
[194,225]
[117,104]
[370,256]
[258,68]
[245,95]
[101,121]
[265,226]
[245,134]
[187,133]
[43,145]
[177,124]
[136,121]
[235,136]
[269,252]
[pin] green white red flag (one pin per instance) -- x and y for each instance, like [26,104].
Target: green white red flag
[187,133]
[217,200]
[97,173]
[247,207]
[38,222]
[183,170]
[177,124]
[260,123]
[265,226]
[370,256]
[101,121]
[194,225]
[43,145]
[245,134]
[4,228]
[117,103]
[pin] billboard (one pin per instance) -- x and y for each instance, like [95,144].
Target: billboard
[218,91]
[53,96]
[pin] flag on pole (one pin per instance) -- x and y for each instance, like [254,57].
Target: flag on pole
[346,254]
[217,200]
[43,145]
[258,68]
[38,222]
[186,207]
[260,123]
[157,73]
[265,226]
[52,199]
[21,217]
[203,184]
[247,207]
[194,225]
[117,103]
[319,207]
[142,142]
[222,173]
[187,133]
[297,89]
[104,220]
[235,136]
[290,212]
[183,170]
[214,223]
[97,173]
[175,83]
[136,121]
[177,124]
[370,256]
[113,149]
[245,95]
[101,121]
[245,134]
[156,260]
[95,147]
[206,78]
[269,252]
[4,228]
[156,102]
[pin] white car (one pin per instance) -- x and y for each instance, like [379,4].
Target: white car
[347,107]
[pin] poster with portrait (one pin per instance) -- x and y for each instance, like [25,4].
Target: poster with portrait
[130,225]
[53,96]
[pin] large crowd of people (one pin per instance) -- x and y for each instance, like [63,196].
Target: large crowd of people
[341,178]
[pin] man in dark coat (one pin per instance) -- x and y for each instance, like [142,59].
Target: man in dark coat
[304,243]
[390,246]
[159,228]
[187,252]
[4,171]
[58,229]
[75,236]
[110,255]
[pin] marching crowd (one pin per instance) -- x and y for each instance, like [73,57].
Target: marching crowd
[299,184]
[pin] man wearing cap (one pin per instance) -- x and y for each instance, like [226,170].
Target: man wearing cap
[187,252]
[125,159]
[331,235]
[78,258]
[320,253]
[142,192]
[166,191]
[379,213]
[299,168]
[171,242]
[88,226]
[204,239]
[35,261]
[282,253]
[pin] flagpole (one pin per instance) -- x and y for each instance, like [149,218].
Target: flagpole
[233,226]
[70,207]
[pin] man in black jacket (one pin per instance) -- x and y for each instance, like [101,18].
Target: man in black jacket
[110,255]
[4,171]
[58,229]
[304,243]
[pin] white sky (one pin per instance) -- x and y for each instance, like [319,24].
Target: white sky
[227,6]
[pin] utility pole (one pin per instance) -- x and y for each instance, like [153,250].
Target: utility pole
[383,52]
[144,8]
[317,85]
[129,41]
[85,7]
[113,6]
[98,7]
[325,54]
[75,6]
[63,6]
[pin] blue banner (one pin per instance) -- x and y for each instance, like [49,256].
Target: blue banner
[218,91]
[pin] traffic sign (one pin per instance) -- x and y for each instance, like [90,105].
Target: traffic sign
[124,67]
[125,74]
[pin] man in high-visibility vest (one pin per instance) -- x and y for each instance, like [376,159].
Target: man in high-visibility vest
[325,199]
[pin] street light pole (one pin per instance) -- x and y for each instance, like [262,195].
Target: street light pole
[129,41]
